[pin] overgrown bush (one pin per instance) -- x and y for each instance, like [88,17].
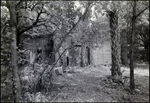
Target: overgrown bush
[141,54]
[31,82]
[6,84]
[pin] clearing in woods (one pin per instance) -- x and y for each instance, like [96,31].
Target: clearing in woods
[91,84]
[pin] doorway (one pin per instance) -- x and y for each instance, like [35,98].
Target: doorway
[67,61]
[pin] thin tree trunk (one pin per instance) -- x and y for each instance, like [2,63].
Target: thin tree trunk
[132,85]
[13,23]
[15,67]
[115,43]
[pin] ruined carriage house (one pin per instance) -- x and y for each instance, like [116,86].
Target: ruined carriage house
[66,51]
[75,55]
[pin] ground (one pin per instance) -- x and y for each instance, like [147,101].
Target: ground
[91,84]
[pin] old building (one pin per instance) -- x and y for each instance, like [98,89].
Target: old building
[77,55]
[74,54]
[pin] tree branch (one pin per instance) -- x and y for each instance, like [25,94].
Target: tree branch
[141,12]
[34,23]
[30,27]
[82,17]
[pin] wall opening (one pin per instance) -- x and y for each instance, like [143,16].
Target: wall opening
[88,54]
[49,48]
[67,61]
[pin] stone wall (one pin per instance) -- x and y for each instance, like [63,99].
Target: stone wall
[44,43]
[72,57]
[102,55]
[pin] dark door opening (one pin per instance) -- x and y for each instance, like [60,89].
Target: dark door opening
[88,54]
[50,48]
[67,61]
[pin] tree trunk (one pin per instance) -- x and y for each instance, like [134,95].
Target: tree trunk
[115,43]
[15,67]
[13,23]
[132,85]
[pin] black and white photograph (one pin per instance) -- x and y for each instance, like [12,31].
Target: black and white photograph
[75,51]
